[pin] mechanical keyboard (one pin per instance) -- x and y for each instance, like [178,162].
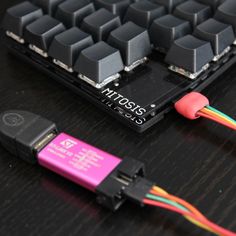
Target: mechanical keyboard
[131,58]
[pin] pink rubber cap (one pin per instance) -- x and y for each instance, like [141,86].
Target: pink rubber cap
[190,104]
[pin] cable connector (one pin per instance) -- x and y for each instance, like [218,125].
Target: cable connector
[189,105]
[111,192]
[22,132]
[137,191]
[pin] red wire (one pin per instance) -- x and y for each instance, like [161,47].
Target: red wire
[180,201]
[216,120]
[215,227]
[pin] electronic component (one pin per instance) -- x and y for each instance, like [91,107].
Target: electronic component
[133,59]
[36,140]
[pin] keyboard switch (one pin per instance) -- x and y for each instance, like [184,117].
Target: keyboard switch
[18,17]
[227,13]
[169,4]
[48,6]
[41,32]
[133,42]
[117,7]
[66,47]
[166,29]
[213,3]
[99,64]
[100,24]
[72,12]
[220,35]
[189,56]
[194,12]
[143,13]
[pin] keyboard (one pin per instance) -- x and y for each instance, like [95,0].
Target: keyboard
[131,58]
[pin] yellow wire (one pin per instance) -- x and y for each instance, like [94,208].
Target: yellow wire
[172,198]
[197,223]
[219,115]
[193,221]
[160,190]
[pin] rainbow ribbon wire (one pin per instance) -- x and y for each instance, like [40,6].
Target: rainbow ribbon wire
[217,116]
[160,198]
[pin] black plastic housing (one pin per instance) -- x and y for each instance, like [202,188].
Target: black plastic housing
[20,131]
[137,191]
[110,193]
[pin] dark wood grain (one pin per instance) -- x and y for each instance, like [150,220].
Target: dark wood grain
[195,160]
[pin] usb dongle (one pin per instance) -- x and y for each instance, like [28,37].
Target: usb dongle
[36,140]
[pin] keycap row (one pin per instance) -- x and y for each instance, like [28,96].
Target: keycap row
[142,13]
[146,14]
[73,49]
[118,7]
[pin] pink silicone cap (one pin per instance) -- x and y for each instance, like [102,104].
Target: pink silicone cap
[189,105]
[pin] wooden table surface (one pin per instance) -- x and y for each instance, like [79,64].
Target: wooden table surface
[195,160]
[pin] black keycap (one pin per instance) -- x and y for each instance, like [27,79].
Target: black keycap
[117,7]
[132,41]
[41,32]
[99,62]
[169,4]
[143,13]
[219,34]
[67,45]
[193,11]
[72,12]
[166,29]
[227,13]
[213,3]
[190,53]
[48,6]
[100,24]
[19,16]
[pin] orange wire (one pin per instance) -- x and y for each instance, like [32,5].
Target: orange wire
[229,119]
[216,228]
[187,205]
[182,202]
[212,113]
[218,120]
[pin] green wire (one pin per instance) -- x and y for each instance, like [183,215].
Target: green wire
[161,199]
[221,113]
